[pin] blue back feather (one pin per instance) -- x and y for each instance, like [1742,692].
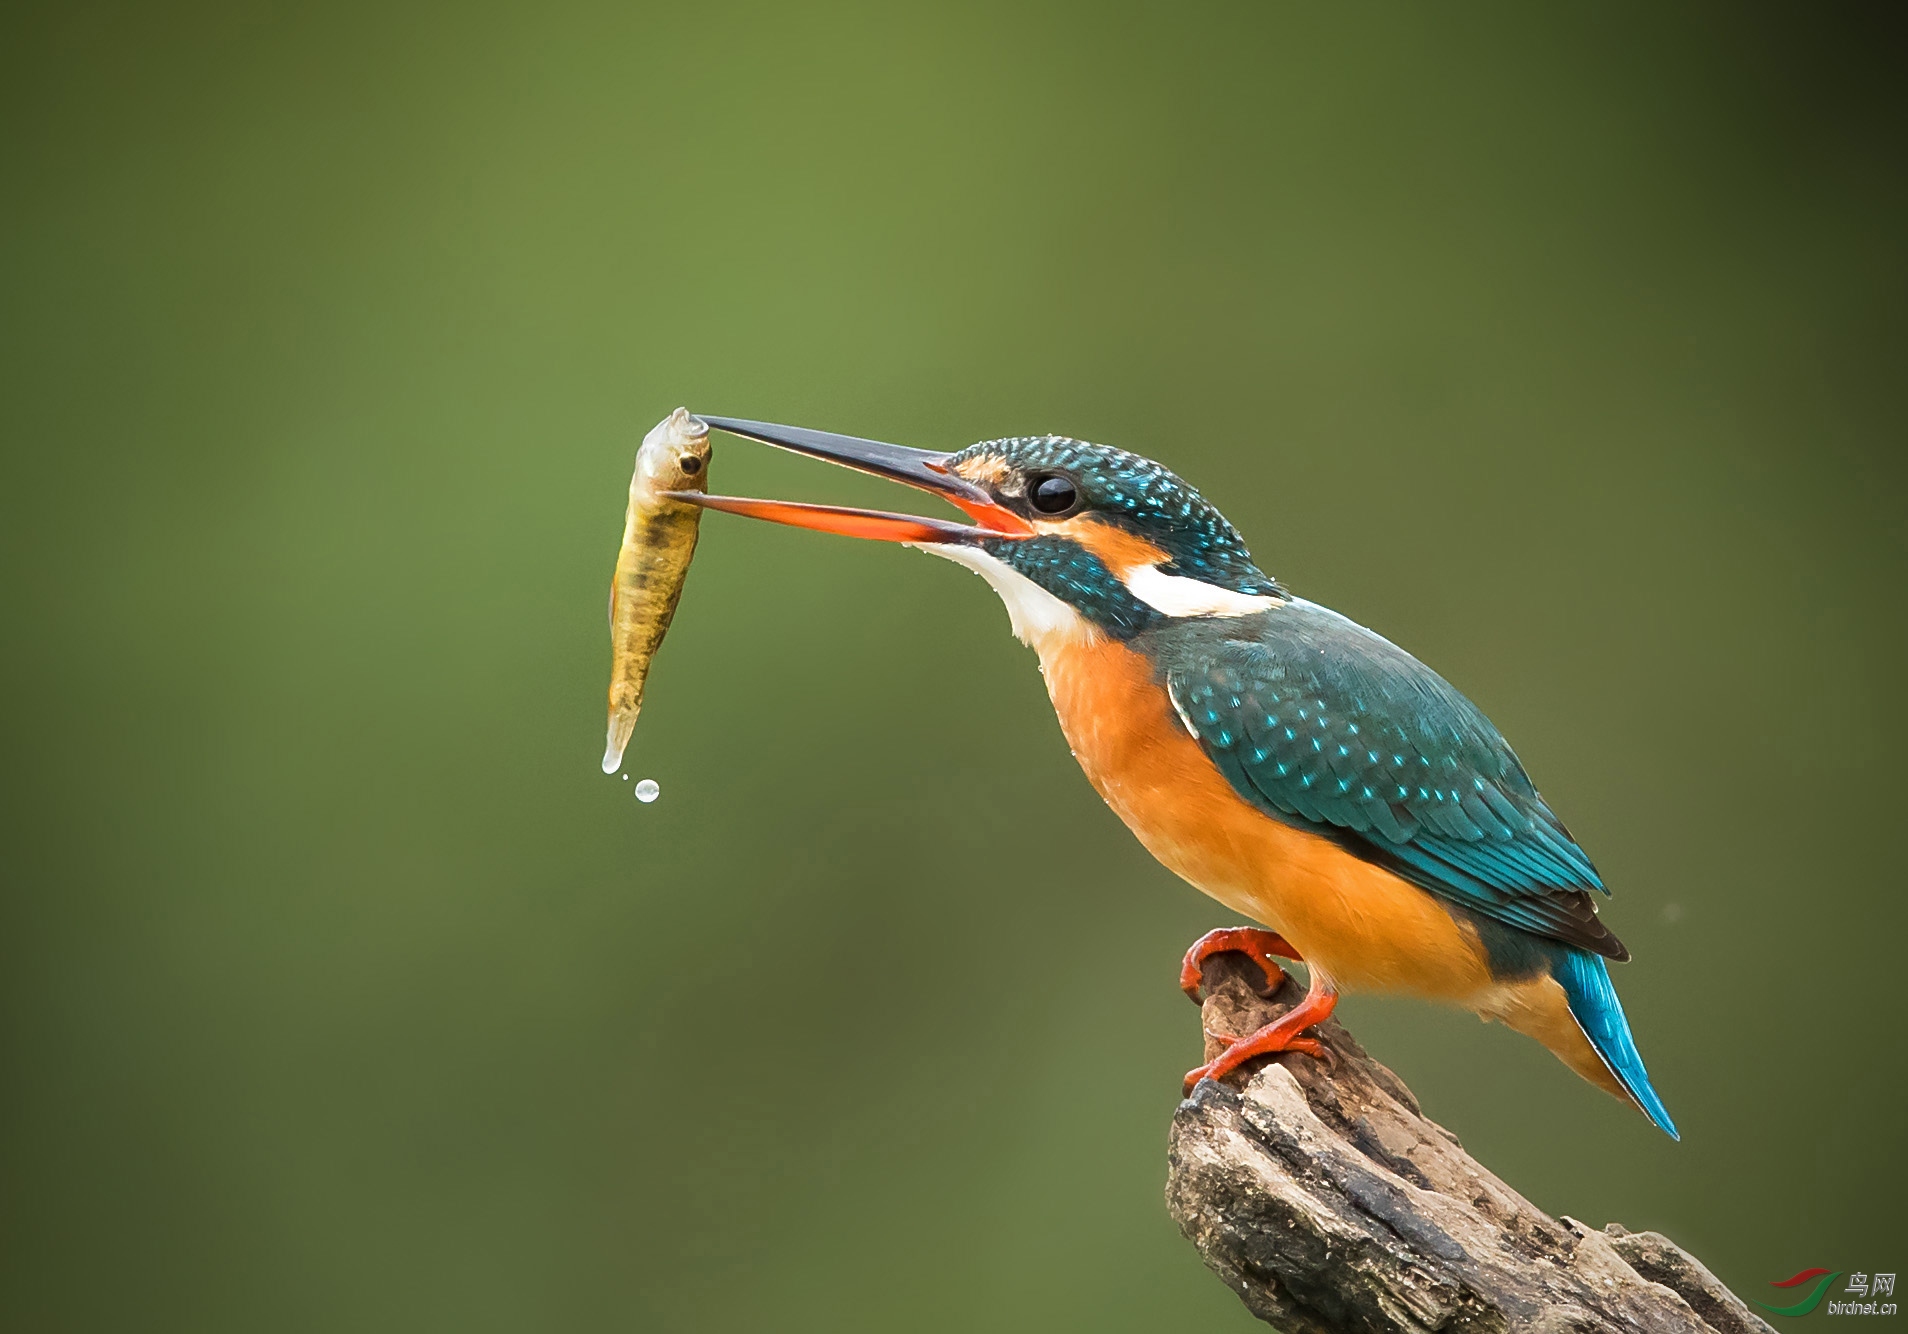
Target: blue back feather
[1323,724]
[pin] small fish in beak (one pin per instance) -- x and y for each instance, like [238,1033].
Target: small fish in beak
[659,537]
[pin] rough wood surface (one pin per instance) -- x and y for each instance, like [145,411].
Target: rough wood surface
[1322,1196]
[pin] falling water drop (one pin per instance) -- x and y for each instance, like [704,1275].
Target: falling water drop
[648,790]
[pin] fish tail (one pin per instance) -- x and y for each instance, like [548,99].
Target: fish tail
[621,724]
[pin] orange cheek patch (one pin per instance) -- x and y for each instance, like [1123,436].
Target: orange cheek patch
[1117,549]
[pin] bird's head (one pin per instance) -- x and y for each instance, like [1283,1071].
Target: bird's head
[1077,538]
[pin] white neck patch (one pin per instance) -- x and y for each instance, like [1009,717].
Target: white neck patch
[1176,595]
[1040,620]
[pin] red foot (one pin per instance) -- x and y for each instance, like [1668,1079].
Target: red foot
[1280,1035]
[1257,945]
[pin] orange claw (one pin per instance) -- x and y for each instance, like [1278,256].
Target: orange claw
[1257,945]
[1280,1035]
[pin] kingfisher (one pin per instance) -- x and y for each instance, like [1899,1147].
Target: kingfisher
[1304,771]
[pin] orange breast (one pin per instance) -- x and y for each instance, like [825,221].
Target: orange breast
[1365,927]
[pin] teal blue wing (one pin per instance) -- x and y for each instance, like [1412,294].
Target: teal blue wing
[1328,726]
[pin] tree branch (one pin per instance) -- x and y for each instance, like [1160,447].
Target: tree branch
[1322,1196]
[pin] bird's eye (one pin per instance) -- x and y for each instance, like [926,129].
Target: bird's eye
[690,464]
[1053,495]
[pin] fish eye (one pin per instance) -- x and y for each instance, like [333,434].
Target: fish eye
[1053,494]
[690,464]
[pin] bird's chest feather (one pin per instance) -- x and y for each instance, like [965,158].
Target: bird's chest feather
[1367,927]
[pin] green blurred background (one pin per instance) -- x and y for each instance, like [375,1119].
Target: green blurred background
[1563,345]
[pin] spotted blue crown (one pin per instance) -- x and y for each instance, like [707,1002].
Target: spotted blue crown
[1130,492]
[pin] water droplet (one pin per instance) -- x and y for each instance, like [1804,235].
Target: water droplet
[648,790]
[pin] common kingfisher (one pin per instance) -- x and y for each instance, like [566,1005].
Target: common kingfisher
[1304,771]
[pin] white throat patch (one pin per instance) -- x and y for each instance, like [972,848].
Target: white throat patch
[1176,595]
[1040,620]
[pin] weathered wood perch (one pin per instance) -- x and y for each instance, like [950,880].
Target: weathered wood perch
[1322,1196]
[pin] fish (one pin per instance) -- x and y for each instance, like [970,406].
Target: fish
[659,538]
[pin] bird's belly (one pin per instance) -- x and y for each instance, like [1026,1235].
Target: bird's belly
[1367,928]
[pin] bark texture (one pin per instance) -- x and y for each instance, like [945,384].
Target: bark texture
[1322,1196]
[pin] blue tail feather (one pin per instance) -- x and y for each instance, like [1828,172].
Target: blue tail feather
[1594,1005]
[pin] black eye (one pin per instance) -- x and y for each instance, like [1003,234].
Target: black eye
[690,464]
[1052,494]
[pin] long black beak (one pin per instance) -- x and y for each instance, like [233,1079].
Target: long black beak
[924,469]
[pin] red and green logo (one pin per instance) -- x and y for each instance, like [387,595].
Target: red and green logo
[1821,1279]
